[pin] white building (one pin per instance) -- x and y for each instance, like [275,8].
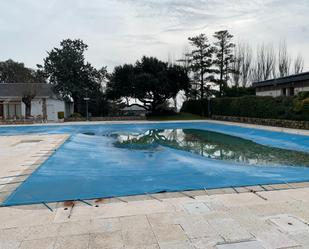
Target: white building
[285,86]
[45,104]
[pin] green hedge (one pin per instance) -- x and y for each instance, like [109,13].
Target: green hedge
[291,108]
[197,107]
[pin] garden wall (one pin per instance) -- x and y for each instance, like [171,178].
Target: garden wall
[269,122]
[123,118]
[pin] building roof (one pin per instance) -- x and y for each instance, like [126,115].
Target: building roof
[283,80]
[16,90]
[134,108]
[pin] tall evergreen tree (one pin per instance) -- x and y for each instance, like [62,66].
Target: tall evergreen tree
[201,61]
[224,57]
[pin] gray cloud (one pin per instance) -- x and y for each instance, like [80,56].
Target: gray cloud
[119,31]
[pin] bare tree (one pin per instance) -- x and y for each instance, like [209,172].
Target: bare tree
[256,71]
[29,93]
[185,62]
[284,60]
[242,65]
[269,62]
[299,64]
[265,61]
[274,72]
[246,57]
[236,71]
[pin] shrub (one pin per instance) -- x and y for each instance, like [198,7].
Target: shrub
[162,113]
[292,108]
[239,91]
[76,115]
[60,115]
[197,107]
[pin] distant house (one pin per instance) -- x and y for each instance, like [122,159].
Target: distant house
[134,110]
[285,86]
[45,104]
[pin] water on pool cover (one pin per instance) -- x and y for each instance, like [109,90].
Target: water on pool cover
[120,163]
[212,145]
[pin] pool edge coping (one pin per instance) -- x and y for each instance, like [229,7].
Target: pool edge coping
[192,194]
[244,125]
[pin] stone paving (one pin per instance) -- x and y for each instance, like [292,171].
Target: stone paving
[222,221]
[268,216]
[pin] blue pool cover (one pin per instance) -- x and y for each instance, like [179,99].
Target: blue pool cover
[90,166]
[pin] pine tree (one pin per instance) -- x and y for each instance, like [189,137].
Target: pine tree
[224,57]
[201,61]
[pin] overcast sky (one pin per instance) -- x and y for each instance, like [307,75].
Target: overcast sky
[119,31]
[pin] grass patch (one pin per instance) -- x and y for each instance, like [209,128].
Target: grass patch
[178,116]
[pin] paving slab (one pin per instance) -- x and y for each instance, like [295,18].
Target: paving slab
[289,224]
[137,236]
[230,230]
[206,242]
[196,207]
[275,239]
[105,225]
[169,233]
[106,241]
[198,226]
[137,231]
[74,228]
[154,246]
[47,243]
[176,245]
[72,242]
[242,245]
[43,231]
[10,244]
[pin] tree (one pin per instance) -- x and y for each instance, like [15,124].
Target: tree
[224,58]
[236,71]
[29,94]
[121,83]
[185,62]
[16,72]
[201,61]
[284,60]
[298,64]
[246,63]
[265,61]
[150,80]
[264,66]
[70,75]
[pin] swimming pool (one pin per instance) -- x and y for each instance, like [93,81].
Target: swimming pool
[101,161]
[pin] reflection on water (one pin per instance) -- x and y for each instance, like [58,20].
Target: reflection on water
[213,145]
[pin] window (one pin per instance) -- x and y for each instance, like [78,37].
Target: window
[283,93]
[1,110]
[13,110]
[291,91]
